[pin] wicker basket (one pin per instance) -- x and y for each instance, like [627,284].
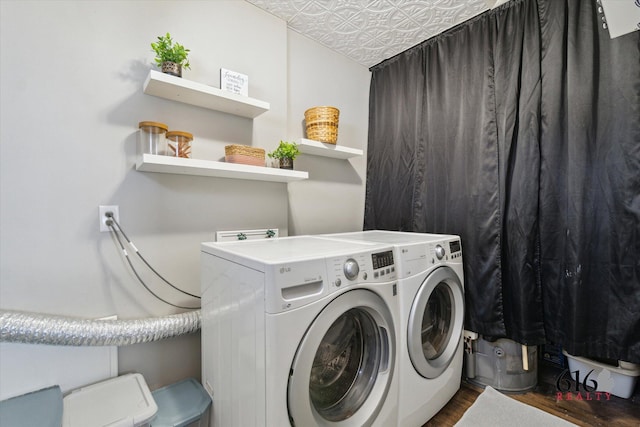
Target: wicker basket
[244,154]
[322,124]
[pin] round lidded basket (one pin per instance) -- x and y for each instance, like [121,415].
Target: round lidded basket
[322,124]
[179,143]
[151,137]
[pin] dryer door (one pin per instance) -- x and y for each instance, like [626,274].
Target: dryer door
[344,364]
[435,322]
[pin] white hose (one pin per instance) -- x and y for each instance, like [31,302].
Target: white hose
[34,328]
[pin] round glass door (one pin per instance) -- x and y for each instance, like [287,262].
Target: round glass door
[436,322]
[344,364]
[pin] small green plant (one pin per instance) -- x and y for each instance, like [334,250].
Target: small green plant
[168,51]
[286,150]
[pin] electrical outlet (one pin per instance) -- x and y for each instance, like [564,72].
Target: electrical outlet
[103,216]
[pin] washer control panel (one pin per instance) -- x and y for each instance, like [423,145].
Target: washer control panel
[369,267]
[351,269]
[383,264]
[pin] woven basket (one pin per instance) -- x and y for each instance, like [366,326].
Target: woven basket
[244,150]
[244,154]
[322,124]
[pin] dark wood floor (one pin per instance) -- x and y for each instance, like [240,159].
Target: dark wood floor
[604,413]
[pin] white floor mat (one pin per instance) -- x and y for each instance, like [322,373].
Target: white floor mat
[494,409]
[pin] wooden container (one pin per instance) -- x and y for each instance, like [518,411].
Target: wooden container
[244,154]
[322,124]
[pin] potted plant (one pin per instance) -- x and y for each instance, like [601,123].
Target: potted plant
[171,57]
[285,153]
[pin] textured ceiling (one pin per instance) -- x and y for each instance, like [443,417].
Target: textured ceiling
[370,31]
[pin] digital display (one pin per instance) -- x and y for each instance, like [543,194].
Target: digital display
[382,259]
[454,246]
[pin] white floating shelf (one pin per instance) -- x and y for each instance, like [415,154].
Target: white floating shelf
[188,92]
[182,166]
[316,148]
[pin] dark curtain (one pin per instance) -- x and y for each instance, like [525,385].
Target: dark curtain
[519,131]
[590,183]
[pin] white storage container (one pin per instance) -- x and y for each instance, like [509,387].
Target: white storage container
[124,401]
[617,380]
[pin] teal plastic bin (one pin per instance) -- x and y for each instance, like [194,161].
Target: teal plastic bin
[182,404]
[41,408]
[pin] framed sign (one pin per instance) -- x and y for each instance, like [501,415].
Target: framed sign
[232,81]
[622,17]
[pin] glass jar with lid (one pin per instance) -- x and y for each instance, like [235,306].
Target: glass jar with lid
[179,143]
[151,138]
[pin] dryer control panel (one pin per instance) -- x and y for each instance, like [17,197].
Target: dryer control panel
[448,251]
[416,257]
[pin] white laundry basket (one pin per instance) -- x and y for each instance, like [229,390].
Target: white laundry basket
[618,380]
[124,401]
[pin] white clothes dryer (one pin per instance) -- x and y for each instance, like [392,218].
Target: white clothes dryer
[299,331]
[430,344]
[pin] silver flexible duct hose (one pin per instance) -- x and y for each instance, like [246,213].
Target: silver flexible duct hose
[34,328]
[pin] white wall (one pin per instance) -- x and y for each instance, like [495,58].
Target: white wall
[71,83]
[332,200]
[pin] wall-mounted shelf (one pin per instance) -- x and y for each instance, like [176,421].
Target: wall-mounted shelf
[177,165]
[188,92]
[308,146]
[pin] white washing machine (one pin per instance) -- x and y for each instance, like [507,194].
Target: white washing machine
[430,344]
[299,331]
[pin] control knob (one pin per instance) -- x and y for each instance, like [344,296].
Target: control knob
[440,252]
[351,269]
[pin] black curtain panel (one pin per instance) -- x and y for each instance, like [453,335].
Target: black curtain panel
[395,96]
[590,183]
[519,131]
